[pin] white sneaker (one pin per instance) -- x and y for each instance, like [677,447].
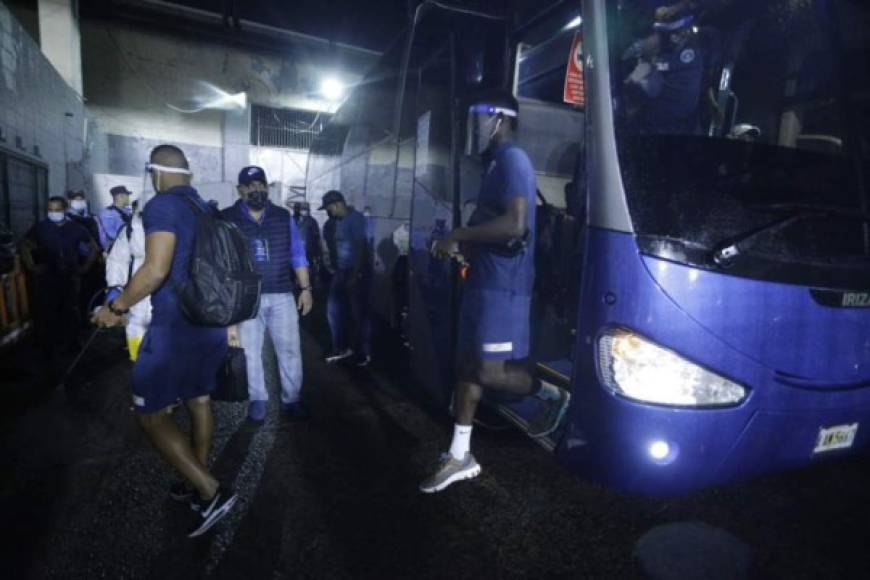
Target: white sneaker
[451,470]
[339,356]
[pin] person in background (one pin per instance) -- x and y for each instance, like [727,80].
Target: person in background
[78,212]
[348,302]
[275,247]
[309,231]
[52,252]
[115,217]
[93,279]
[177,359]
[124,260]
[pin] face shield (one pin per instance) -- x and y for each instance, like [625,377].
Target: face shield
[482,124]
[151,186]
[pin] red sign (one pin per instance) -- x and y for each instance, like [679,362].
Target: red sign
[575,90]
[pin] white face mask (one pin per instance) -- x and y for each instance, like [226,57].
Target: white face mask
[78,205]
[56,216]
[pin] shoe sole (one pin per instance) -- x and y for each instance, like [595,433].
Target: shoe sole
[180,498]
[458,476]
[333,360]
[214,518]
[559,416]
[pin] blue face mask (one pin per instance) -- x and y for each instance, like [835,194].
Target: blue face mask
[256,200]
[56,216]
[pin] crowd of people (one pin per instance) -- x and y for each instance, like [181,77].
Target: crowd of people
[148,250]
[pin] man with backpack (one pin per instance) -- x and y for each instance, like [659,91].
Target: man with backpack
[178,358]
[275,247]
[115,217]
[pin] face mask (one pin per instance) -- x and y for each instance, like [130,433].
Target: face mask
[303,213]
[56,216]
[256,200]
[79,206]
[128,208]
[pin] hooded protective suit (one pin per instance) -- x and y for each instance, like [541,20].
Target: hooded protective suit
[127,256]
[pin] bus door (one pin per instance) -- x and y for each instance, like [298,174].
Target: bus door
[431,282]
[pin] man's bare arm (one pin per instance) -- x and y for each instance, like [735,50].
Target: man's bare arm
[159,251]
[506,227]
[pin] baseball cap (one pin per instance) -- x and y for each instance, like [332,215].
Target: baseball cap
[120,189]
[331,197]
[252,173]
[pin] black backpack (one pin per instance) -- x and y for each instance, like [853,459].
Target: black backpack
[223,287]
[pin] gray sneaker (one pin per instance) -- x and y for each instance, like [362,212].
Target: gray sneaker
[449,471]
[548,418]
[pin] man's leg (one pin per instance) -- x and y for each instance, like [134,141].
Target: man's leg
[337,313]
[361,310]
[176,450]
[202,427]
[283,326]
[251,333]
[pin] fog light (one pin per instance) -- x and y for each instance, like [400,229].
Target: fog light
[659,450]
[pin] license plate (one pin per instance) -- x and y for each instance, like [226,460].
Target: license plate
[837,437]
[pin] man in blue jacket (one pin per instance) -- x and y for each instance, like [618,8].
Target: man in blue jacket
[347,239]
[276,247]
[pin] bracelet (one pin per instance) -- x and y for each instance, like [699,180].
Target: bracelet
[306,289]
[112,309]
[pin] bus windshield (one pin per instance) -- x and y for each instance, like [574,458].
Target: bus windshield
[745,124]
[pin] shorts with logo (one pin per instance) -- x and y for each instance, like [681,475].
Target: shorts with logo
[494,324]
[176,361]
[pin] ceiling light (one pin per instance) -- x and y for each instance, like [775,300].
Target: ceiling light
[332,89]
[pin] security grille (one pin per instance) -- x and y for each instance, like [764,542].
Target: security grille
[285,128]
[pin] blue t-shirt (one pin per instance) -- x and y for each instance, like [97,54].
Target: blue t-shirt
[58,246]
[509,175]
[170,212]
[349,239]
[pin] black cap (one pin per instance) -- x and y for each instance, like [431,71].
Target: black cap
[331,197]
[252,173]
[119,189]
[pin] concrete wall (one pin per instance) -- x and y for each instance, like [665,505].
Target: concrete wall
[41,117]
[144,87]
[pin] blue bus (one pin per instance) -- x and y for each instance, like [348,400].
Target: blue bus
[703,258]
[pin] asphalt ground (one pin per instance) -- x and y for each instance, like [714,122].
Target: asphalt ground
[82,495]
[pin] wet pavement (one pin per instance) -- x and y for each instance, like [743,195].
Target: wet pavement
[84,496]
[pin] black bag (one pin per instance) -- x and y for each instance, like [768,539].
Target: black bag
[232,380]
[223,288]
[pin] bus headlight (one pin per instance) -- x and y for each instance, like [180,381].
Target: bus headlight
[638,369]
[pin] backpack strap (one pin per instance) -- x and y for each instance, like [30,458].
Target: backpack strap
[127,218]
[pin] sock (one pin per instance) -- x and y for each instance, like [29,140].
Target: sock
[548,392]
[461,443]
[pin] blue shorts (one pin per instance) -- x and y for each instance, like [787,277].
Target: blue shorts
[176,361]
[494,324]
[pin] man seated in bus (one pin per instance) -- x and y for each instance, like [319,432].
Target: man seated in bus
[665,84]
[498,244]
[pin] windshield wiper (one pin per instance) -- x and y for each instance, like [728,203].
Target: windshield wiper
[725,252]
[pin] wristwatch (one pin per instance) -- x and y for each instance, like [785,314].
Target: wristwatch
[115,311]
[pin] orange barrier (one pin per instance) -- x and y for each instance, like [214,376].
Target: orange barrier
[14,304]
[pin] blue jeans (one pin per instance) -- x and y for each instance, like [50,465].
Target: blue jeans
[348,311]
[279,317]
